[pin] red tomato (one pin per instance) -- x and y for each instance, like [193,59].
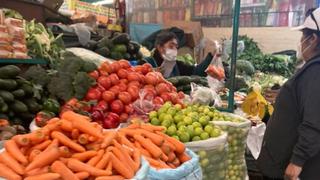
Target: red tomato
[150,90]
[158,101]
[124,117]
[134,83]
[148,86]
[115,89]
[134,92]
[93,94]
[115,66]
[125,97]
[162,88]
[138,69]
[100,88]
[133,76]
[101,106]
[149,94]
[103,73]
[104,82]
[146,68]
[124,81]
[129,109]
[142,79]
[117,106]
[108,96]
[151,79]
[122,87]
[106,67]
[94,74]
[181,95]
[174,97]
[114,79]
[166,97]
[124,64]
[122,73]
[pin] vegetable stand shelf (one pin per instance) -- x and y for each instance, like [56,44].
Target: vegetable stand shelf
[22,61]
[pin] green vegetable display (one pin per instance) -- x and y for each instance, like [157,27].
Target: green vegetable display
[51,105]
[183,83]
[187,58]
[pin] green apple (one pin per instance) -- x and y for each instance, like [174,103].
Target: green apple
[166,123]
[204,135]
[190,130]
[204,120]
[172,111]
[155,122]
[184,137]
[210,114]
[215,132]
[208,128]
[162,110]
[181,123]
[168,117]
[176,137]
[182,128]
[153,114]
[161,116]
[206,110]
[198,131]
[178,118]
[196,124]
[187,120]
[196,138]
[172,130]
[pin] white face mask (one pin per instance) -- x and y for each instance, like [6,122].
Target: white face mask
[170,55]
[300,51]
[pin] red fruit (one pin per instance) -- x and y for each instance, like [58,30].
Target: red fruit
[174,97]
[124,81]
[122,87]
[125,97]
[115,66]
[162,88]
[158,101]
[97,116]
[146,68]
[166,97]
[181,95]
[101,88]
[104,82]
[129,109]
[101,106]
[117,107]
[113,116]
[134,83]
[124,117]
[122,73]
[115,89]
[133,76]
[94,74]
[110,124]
[151,79]
[134,92]
[149,94]
[105,67]
[103,73]
[124,64]
[108,96]
[114,79]
[93,94]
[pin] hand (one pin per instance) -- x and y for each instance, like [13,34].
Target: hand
[292,172]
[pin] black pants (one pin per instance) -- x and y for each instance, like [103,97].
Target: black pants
[267,178]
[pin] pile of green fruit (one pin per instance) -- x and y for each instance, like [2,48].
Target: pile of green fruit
[119,46]
[187,59]
[237,130]
[189,124]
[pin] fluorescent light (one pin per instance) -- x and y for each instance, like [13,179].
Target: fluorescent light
[103,2]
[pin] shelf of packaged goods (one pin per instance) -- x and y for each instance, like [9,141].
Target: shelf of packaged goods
[22,61]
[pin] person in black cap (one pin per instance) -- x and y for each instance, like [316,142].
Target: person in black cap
[291,145]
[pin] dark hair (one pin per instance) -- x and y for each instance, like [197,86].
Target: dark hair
[164,37]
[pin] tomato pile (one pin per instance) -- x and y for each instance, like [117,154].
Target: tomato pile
[119,85]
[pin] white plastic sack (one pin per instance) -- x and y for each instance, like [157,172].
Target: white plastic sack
[189,170]
[88,55]
[255,139]
[33,126]
[237,138]
[204,95]
[213,156]
[142,173]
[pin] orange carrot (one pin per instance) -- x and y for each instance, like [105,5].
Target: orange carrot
[109,166]
[82,175]
[22,140]
[47,176]
[53,120]
[152,161]
[33,154]
[93,161]
[104,161]
[14,151]
[24,150]
[155,138]
[92,138]
[108,139]
[63,170]
[64,160]
[141,149]
[82,123]
[66,125]
[134,126]
[176,162]
[64,151]
[37,136]
[183,157]
[171,157]
[152,128]
[164,157]
[75,133]
[115,177]
[12,163]
[154,150]
[171,146]
[78,166]
[54,144]
[121,168]
[129,132]
[137,158]
[163,165]
[125,156]
[63,139]
[44,158]
[180,147]
[7,173]
[165,149]
[172,165]
[42,145]
[83,139]
[46,130]
[38,171]
[84,156]
[93,146]
[125,141]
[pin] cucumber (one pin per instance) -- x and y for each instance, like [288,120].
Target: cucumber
[27,88]
[19,93]
[18,107]
[32,105]
[1,101]
[6,96]
[9,71]
[8,84]
[4,108]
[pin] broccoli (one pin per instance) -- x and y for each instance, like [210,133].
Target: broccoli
[88,66]
[61,86]
[81,84]
[37,75]
[70,65]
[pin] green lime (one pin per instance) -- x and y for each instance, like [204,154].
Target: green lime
[204,135]
[181,123]
[204,162]
[176,137]
[198,131]
[204,120]
[188,120]
[196,138]
[182,128]
[161,116]
[172,130]
[215,132]
[155,122]
[162,110]
[166,123]
[208,128]
[178,107]
[178,118]
[172,111]
[196,124]
[153,114]
[184,137]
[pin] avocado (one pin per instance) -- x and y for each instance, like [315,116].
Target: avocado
[116,55]
[9,71]
[121,39]
[119,48]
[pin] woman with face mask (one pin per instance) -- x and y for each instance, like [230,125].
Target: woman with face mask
[291,145]
[164,58]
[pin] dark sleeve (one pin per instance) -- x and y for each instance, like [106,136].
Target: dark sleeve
[185,69]
[308,144]
[201,68]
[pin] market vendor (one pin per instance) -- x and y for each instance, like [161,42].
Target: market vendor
[164,58]
[291,145]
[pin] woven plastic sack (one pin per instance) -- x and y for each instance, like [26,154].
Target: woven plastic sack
[237,138]
[213,156]
[189,170]
[142,173]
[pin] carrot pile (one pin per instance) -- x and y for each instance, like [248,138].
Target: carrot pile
[73,148]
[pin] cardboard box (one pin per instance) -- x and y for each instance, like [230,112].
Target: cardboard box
[193,31]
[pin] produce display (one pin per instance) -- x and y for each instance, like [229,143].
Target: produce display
[183,83]
[119,46]
[187,59]
[75,148]
[7,131]
[237,129]
[123,90]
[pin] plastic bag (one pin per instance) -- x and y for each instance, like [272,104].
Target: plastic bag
[215,69]
[213,156]
[204,95]
[143,105]
[237,138]
[142,173]
[88,55]
[189,170]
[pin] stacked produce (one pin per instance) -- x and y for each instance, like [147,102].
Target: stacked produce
[123,90]
[187,59]
[183,83]
[75,148]
[7,131]
[192,124]
[119,46]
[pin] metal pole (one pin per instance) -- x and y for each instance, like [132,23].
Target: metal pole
[236,14]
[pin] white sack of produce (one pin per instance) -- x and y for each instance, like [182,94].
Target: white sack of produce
[88,55]
[213,156]
[237,128]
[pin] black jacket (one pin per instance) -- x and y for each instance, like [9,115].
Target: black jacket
[293,132]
